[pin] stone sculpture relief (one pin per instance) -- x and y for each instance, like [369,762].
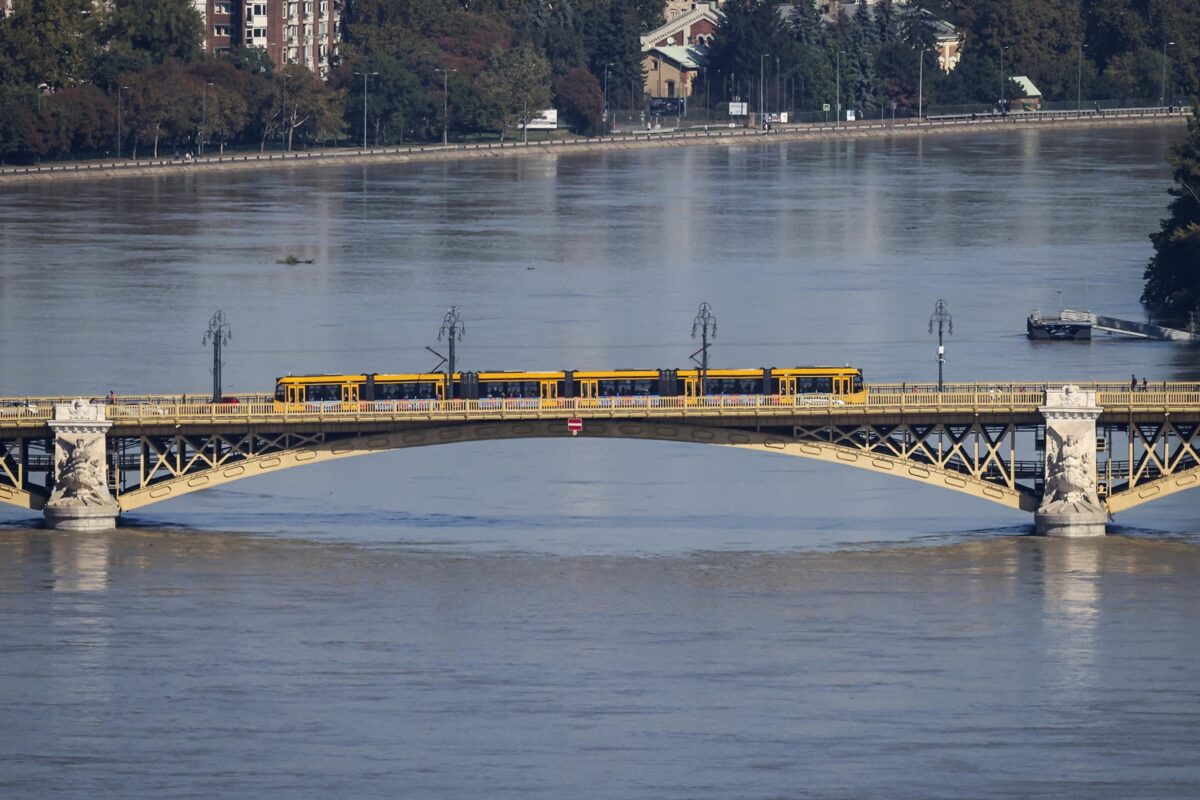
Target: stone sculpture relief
[1070,475]
[80,475]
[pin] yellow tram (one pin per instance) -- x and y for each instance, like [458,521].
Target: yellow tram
[841,384]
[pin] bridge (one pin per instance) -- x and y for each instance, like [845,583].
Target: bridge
[1073,455]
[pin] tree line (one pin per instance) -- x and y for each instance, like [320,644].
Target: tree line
[884,58]
[129,76]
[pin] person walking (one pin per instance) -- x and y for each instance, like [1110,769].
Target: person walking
[1133,383]
[1145,386]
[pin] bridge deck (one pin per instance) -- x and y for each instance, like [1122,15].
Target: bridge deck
[988,400]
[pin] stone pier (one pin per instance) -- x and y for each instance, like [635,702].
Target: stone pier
[79,498]
[1070,505]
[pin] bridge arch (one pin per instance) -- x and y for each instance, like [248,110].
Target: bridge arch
[198,477]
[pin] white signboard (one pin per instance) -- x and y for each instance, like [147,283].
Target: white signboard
[737,109]
[544,121]
[850,115]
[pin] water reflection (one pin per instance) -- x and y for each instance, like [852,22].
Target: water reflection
[1071,573]
[79,562]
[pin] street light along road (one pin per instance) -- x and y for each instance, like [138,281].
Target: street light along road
[445,104]
[1162,98]
[365,75]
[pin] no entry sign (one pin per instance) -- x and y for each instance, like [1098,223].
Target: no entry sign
[574,425]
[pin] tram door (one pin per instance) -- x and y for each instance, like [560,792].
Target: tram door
[787,385]
[295,393]
[588,390]
[691,389]
[841,385]
[350,392]
[548,390]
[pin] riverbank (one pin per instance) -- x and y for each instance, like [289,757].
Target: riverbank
[634,141]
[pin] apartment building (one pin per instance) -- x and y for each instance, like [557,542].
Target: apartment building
[291,31]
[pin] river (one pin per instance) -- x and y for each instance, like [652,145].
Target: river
[596,618]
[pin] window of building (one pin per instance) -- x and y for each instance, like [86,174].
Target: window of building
[259,33]
[220,30]
[220,8]
[260,9]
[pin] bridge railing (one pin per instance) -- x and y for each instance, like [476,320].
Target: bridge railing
[880,397]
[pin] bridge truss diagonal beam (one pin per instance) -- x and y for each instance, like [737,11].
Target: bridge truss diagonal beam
[1162,458]
[183,464]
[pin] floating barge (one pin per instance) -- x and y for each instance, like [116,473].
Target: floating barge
[1072,325]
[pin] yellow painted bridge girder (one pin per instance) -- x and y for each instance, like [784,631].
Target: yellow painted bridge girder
[319,452]
[1153,490]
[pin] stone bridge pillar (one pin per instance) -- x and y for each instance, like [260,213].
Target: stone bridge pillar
[1070,505]
[79,499]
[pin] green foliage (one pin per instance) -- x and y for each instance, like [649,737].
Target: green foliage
[1173,275]
[154,30]
[516,86]
[749,30]
[579,97]
[50,42]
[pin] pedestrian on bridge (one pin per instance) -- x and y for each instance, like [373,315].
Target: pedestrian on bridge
[1145,386]
[1133,383]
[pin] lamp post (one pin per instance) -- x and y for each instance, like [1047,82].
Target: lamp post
[453,329]
[119,113]
[365,75]
[1002,49]
[920,82]
[706,324]
[1079,81]
[1162,98]
[446,104]
[604,128]
[837,110]
[219,333]
[284,140]
[203,119]
[761,105]
[945,323]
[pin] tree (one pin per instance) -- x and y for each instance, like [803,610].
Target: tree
[311,106]
[578,95]
[18,123]
[49,42]
[517,85]
[807,27]
[156,104]
[137,34]
[749,29]
[225,110]
[1173,274]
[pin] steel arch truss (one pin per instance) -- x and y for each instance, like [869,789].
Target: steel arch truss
[974,458]
[22,463]
[153,468]
[1162,458]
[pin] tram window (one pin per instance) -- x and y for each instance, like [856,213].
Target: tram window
[322,392]
[814,385]
[280,393]
[407,390]
[627,388]
[730,386]
[510,389]
[858,383]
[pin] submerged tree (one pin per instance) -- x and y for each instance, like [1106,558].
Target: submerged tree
[1173,274]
